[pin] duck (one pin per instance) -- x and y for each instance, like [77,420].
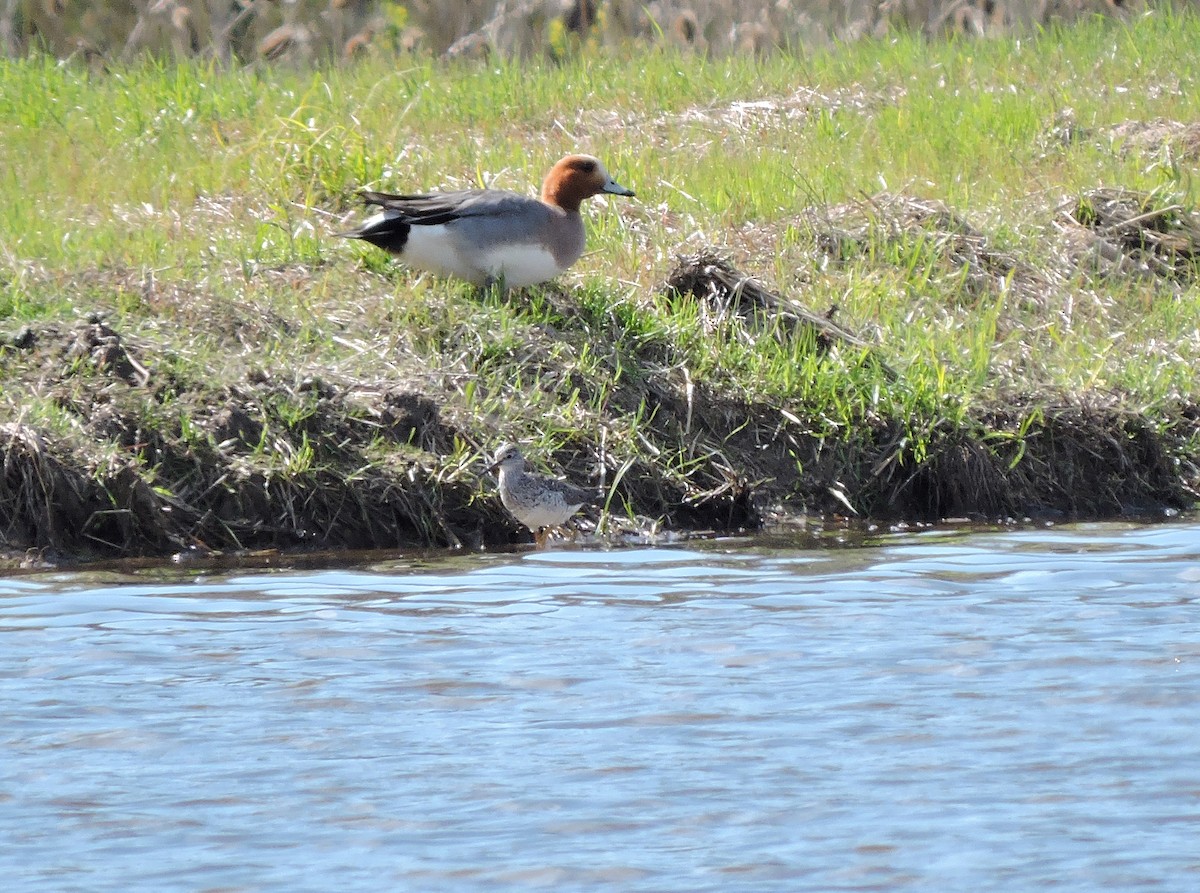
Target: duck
[538,501]
[489,236]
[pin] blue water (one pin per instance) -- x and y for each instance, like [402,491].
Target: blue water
[934,712]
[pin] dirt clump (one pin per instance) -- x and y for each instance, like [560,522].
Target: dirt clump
[1122,232]
[726,292]
[897,225]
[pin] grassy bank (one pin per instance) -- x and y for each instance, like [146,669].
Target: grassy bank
[191,361]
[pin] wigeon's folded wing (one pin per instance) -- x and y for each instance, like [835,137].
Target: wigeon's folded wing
[430,209]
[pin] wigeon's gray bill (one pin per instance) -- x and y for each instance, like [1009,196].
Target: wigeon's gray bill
[491,235]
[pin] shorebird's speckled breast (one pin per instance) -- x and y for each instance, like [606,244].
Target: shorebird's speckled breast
[537,501]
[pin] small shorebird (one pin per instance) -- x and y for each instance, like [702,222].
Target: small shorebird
[491,235]
[538,501]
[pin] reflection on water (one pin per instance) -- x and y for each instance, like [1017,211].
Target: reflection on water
[941,711]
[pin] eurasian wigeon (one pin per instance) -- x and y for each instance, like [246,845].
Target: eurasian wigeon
[491,235]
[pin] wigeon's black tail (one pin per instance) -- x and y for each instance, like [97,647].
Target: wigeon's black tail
[389,228]
[386,231]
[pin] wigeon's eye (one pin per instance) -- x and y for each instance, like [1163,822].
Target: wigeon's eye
[588,167]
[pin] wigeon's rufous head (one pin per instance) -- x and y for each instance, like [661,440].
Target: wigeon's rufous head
[578,177]
[488,236]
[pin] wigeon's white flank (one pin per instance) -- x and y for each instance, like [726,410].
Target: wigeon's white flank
[491,235]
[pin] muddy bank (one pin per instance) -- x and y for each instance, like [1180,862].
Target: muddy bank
[140,459]
[117,488]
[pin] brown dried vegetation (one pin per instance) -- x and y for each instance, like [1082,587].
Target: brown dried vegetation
[308,30]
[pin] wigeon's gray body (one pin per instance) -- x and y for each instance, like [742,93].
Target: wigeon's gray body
[490,235]
[536,500]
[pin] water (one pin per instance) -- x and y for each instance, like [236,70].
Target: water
[936,712]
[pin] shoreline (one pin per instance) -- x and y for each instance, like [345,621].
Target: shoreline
[367,465]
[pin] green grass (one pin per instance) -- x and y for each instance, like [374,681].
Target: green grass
[194,207]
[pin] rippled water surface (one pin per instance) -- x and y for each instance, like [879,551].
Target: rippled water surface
[934,712]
